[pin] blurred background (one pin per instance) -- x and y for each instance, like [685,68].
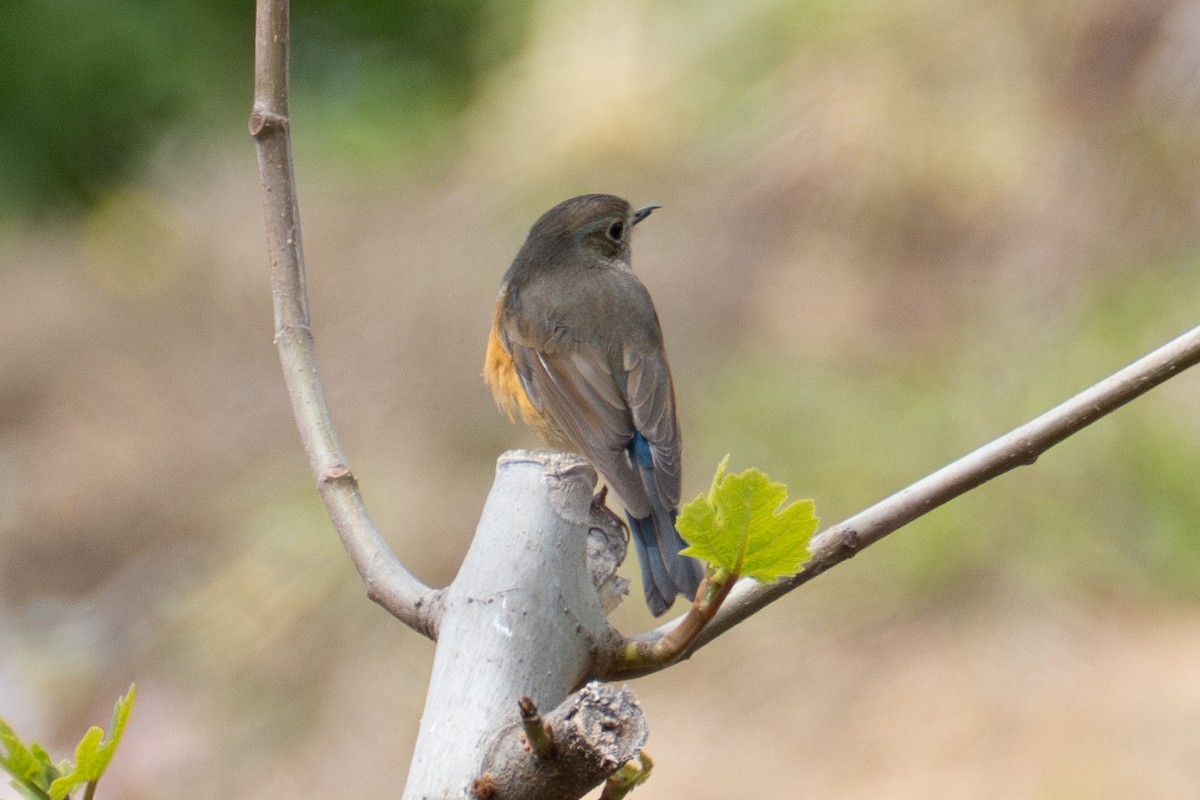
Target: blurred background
[890,232]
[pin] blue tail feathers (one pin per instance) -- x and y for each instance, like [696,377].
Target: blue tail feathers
[657,583]
[665,573]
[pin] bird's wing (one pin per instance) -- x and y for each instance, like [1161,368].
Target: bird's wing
[651,398]
[574,386]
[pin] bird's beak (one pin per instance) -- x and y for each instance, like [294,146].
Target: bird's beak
[642,213]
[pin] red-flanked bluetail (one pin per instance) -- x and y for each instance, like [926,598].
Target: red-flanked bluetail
[577,352]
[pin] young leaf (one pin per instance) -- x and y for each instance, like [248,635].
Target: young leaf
[117,727]
[30,766]
[76,774]
[93,752]
[744,527]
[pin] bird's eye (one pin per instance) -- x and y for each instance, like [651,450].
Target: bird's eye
[616,230]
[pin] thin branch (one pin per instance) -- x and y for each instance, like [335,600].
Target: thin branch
[539,736]
[388,582]
[641,655]
[1020,447]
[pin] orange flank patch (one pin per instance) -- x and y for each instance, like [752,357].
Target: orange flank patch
[501,376]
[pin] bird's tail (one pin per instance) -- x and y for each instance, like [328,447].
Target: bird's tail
[665,573]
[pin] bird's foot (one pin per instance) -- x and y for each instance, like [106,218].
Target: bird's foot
[600,497]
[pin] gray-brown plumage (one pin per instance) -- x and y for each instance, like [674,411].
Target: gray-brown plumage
[576,350]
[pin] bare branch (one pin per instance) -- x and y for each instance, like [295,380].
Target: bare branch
[597,729]
[388,582]
[1020,447]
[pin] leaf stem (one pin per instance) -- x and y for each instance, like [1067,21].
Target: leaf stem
[657,653]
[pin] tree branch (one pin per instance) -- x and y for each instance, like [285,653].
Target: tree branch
[596,730]
[1020,447]
[388,582]
[522,619]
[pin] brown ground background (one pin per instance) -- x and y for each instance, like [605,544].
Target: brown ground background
[889,234]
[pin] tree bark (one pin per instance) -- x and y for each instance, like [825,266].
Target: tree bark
[522,618]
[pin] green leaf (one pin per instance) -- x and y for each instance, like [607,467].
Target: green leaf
[744,527]
[117,729]
[30,766]
[94,752]
[85,758]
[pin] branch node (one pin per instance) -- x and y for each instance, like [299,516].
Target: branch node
[292,332]
[849,539]
[261,119]
[339,473]
[484,786]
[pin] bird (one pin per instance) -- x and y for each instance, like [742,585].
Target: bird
[576,351]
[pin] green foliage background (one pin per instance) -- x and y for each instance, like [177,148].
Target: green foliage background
[88,91]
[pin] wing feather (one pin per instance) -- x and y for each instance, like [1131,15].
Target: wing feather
[652,407]
[577,390]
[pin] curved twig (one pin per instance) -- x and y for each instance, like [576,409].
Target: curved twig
[388,582]
[1021,446]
